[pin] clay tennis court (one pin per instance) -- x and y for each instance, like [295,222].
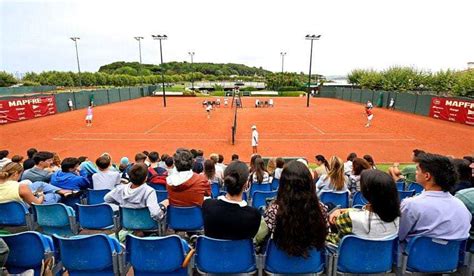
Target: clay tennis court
[328,127]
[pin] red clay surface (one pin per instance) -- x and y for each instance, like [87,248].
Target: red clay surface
[328,127]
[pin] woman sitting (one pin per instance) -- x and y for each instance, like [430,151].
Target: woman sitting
[358,165]
[260,175]
[210,172]
[335,180]
[378,219]
[296,219]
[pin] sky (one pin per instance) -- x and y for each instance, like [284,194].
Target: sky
[364,34]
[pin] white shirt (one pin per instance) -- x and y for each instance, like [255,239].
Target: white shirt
[105,180]
[254,138]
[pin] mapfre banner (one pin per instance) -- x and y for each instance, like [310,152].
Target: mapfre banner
[26,108]
[455,110]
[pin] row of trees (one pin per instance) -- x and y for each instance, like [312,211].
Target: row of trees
[409,79]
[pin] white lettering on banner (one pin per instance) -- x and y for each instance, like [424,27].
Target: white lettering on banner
[23,102]
[459,104]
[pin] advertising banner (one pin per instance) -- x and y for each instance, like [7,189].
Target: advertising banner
[454,110]
[21,109]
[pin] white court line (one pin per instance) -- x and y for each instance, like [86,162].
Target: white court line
[213,139]
[311,125]
[159,124]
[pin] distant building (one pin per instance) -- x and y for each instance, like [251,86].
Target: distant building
[470,65]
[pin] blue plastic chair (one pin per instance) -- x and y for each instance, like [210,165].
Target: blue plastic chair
[184,218]
[158,187]
[98,217]
[429,255]
[338,199]
[259,187]
[138,219]
[400,185]
[96,196]
[357,255]
[155,255]
[56,218]
[90,255]
[259,198]
[415,186]
[28,250]
[279,262]
[275,184]
[14,213]
[215,189]
[224,256]
[161,195]
[358,200]
[406,194]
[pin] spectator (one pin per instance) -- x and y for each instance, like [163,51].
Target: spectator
[156,174]
[220,162]
[124,166]
[435,212]
[41,171]
[3,158]
[464,175]
[105,178]
[135,195]
[56,164]
[169,162]
[358,165]
[252,161]
[87,169]
[82,159]
[259,175]
[323,167]
[198,165]
[296,219]
[229,217]
[279,167]
[162,160]
[408,173]
[186,188]
[467,197]
[271,166]
[348,163]
[380,217]
[140,158]
[147,162]
[29,163]
[17,159]
[335,181]
[210,172]
[371,161]
[235,157]
[219,170]
[68,177]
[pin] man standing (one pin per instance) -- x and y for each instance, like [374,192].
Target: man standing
[69,104]
[254,139]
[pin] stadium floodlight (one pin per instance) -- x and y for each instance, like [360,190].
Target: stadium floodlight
[160,38]
[283,54]
[139,39]
[75,39]
[192,76]
[312,38]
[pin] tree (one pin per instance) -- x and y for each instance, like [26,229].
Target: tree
[7,79]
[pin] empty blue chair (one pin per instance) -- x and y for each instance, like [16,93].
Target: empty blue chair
[338,199]
[98,217]
[161,195]
[225,256]
[184,218]
[259,198]
[279,262]
[96,196]
[56,218]
[259,187]
[358,200]
[14,213]
[415,186]
[90,254]
[156,255]
[357,255]
[405,194]
[138,219]
[215,189]
[400,185]
[275,184]
[28,250]
[429,255]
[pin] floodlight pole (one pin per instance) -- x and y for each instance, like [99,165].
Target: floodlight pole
[139,38]
[192,67]
[312,38]
[75,39]
[160,38]
[283,54]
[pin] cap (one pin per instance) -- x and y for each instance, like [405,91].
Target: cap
[124,160]
[254,127]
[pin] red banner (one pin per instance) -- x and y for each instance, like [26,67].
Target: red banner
[455,110]
[26,108]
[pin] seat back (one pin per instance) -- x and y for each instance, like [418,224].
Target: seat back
[225,256]
[137,219]
[377,256]
[406,194]
[56,218]
[341,199]
[99,216]
[14,213]
[184,218]
[215,189]
[415,186]
[259,187]
[359,199]
[443,255]
[161,195]
[89,254]
[96,196]
[153,255]
[158,187]
[275,184]
[279,262]
[259,198]
[27,251]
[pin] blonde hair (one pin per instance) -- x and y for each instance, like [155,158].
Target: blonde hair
[56,159]
[336,173]
[10,169]
[271,165]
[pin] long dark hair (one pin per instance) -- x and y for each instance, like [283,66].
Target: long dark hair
[209,169]
[380,191]
[300,224]
[322,159]
[259,170]
[235,177]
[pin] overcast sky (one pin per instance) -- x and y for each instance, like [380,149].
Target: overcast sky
[426,34]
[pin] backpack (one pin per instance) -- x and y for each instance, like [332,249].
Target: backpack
[157,178]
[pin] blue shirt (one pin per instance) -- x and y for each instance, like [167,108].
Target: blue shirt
[69,181]
[434,214]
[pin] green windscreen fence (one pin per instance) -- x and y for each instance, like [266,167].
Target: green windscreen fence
[356,95]
[114,95]
[124,94]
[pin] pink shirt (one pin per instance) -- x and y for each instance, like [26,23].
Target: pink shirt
[89,111]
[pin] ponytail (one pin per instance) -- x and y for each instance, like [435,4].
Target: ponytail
[10,169]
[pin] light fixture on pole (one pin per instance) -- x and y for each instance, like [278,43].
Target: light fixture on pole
[283,54]
[192,68]
[75,39]
[312,38]
[160,38]
[139,39]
